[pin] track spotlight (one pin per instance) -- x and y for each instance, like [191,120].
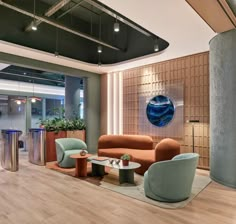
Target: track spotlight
[156,47]
[56,54]
[116,27]
[99,49]
[34,26]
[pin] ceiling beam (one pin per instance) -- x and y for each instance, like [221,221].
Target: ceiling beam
[208,11]
[70,9]
[59,26]
[53,9]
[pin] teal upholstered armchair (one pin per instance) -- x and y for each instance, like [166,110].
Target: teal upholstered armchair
[66,147]
[171,180]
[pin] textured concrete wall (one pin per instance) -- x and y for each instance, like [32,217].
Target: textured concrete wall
[72,96]
[223,108]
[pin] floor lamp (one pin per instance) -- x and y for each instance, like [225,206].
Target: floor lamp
[193,122]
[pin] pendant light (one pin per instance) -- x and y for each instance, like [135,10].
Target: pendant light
[99,50]
[116,26]
[34,25]
[156,46]
[33,98]
[19,100]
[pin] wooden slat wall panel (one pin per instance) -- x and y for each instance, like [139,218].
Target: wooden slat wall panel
[191,70]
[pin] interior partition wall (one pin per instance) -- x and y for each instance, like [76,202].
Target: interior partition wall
[192,72]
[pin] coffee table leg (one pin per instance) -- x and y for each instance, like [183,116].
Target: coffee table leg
[98,170]
[126,176]
[81,167]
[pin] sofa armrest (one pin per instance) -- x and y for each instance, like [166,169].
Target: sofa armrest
[60,151]
[166,149]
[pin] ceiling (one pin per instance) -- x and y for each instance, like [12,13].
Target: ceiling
[17,73]
[224,9]
[173,20]
[74,29]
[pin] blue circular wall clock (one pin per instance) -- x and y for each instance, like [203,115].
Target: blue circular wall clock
[160,110]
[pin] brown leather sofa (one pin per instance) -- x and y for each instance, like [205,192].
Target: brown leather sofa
[139,147]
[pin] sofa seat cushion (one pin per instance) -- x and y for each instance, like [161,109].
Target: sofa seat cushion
[114,152]
[145,157]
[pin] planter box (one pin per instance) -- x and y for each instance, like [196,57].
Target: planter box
[80,134]
[51,136]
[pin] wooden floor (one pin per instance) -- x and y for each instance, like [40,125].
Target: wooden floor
[39,195]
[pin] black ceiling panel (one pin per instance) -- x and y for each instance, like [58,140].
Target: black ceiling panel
[85,18]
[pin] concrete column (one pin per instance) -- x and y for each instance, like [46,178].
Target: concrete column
[28,115]
[72,97]
[43,108]
[91,106]
[223,108]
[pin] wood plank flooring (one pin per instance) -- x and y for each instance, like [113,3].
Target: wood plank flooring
[35,195]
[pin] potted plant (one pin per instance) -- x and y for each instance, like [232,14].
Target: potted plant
[59,127]
[125,159]
[76,129]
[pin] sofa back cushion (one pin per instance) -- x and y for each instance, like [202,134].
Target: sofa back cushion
[125,141]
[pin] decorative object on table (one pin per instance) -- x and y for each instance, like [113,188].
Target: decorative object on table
[125,159]
[160,110]
[83,152]
[117,161]
[193,122]
[111,161]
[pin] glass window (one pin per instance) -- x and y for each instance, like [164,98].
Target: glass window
[54,108]
[12,112]
[36,113]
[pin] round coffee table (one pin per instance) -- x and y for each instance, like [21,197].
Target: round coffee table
[80,164]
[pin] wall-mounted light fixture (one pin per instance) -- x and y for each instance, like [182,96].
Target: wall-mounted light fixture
[193,122]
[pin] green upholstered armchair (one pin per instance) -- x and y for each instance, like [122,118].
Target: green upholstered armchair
[66,147]
[171,180]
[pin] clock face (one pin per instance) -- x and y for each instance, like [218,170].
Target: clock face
[160,110]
